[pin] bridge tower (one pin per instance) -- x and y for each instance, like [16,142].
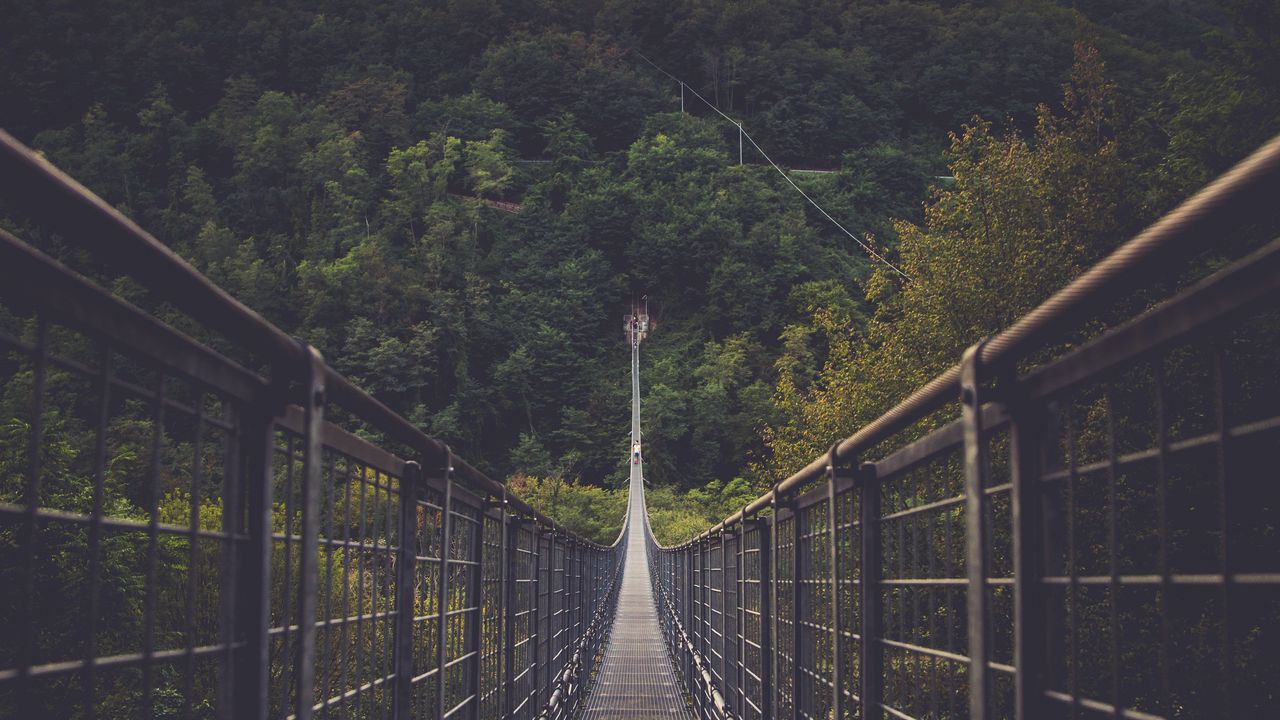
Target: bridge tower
[636,323]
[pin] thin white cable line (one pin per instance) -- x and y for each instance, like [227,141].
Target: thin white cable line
[870,251]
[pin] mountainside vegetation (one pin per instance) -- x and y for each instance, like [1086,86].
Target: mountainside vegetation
[334,166]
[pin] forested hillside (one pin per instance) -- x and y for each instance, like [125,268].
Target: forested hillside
[326,163]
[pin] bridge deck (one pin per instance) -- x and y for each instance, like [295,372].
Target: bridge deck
[636,678]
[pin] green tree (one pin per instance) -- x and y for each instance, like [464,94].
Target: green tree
[1020,220]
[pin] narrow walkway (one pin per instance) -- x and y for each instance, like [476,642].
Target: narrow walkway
[636,679]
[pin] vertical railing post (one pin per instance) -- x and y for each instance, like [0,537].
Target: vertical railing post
[442,632]
[251,600]
[975,540]
[837,680]
[872,653]
[1030,629]
[406,560]
[308,562]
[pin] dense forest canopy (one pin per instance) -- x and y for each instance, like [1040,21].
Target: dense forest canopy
[326,163]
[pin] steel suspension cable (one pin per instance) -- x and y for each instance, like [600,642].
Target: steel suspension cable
[862,243]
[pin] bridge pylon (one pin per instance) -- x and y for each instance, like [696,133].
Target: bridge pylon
[636,323]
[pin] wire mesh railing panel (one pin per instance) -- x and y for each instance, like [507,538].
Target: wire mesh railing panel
[698,598]
[358,537]
[184,536]
[493,622]
[429,549]
[119,530]
[543,648]
[284,620]
[1163,595]
[997,527]
[714,624]
[848,599]
[583,592]
[813,664]
[732,613]
[754,621]
[558,609]
[785,635]
[462,609]
[524,623]
[921,586]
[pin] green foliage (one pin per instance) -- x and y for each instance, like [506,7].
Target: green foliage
[677,517]
[1020,220]
[316,161]
[593,512]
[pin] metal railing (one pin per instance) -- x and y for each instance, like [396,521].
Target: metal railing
[184,536]
[1096,535]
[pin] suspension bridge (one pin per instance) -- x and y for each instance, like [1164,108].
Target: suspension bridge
[1070,522]
[636,678]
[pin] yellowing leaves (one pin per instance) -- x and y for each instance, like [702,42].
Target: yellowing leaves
[1021,219]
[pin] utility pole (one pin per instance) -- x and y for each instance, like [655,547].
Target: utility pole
[739,142]
[681,96]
